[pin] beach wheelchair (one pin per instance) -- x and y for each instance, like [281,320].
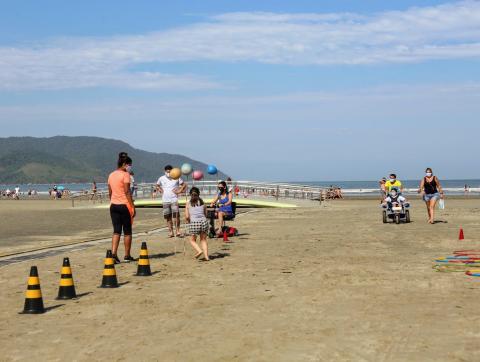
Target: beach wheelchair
[395,208]
[212,215]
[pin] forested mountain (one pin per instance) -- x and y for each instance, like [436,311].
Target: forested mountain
[77,159]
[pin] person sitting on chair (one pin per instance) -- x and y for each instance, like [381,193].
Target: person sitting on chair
[394,198]
[223,200]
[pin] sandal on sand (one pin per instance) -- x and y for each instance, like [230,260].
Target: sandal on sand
[179,235]
[198,255]
[171,235]
[203,259]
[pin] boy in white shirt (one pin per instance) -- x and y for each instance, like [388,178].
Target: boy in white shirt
[170,190]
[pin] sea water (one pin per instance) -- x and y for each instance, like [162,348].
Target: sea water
[451,187]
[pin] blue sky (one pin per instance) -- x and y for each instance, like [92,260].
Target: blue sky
[272,90]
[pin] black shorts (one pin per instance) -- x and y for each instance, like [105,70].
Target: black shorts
[121,219]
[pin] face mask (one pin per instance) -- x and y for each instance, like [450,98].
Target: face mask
[221,189]
[167,174]
[393,180]
[393,194]
[128,168]
[429,174]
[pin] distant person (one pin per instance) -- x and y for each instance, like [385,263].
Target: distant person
[393,182]
[431,191]
[223,202]
[170,190]
[466,190]
[132,184]
[383,192]
[122,208]
[338,193]
[196,217]
[16,194]
[94,190]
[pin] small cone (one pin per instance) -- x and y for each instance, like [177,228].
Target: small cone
[143,269]
[67,288]
[225,236]
[109,279]
[461,236]
[33,296]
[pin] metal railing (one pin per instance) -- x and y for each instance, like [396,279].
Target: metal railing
[209,188]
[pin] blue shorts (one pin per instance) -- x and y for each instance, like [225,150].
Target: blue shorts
[428,197]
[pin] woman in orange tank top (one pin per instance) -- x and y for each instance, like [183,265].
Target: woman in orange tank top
[122,209]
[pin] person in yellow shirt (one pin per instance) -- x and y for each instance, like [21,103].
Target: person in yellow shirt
[393,182]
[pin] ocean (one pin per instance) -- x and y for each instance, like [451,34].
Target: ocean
[451,187]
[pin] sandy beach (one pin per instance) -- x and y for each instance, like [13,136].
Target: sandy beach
[307,284]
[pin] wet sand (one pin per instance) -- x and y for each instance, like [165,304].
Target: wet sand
[320,283]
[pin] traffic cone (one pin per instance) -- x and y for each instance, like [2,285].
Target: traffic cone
[67,288]
[109,279]
[143,269]
[225,236]
[33,296]
[461,236]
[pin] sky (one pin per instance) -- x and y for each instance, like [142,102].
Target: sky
[304,90]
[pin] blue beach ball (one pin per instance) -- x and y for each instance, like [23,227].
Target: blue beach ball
[212,170]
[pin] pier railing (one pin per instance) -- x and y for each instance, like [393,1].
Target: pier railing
[209,188]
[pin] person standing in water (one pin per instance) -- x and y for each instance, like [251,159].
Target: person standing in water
[122,209]
[431,191]
[196,217]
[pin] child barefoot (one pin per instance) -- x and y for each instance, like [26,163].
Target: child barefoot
[196,216]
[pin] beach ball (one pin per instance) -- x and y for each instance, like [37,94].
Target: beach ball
[212,170]
[175,173]
[187,169]
[197,175]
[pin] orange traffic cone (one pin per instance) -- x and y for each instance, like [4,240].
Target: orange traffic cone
[33,296]
[67,288]
[109,279]
[143,269]
[461,236]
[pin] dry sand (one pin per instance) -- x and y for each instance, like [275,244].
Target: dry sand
[32,224]
[311,284]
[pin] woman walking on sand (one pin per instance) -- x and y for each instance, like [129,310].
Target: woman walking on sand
[122,209]
[196,216]
[431,191]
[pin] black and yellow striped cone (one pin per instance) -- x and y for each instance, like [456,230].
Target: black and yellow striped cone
[143,269]
[33,296]
[66,289]
[109,279]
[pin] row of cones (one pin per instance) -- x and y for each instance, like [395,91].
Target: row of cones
[66,290]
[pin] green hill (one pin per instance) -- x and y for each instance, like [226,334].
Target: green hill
[77,159]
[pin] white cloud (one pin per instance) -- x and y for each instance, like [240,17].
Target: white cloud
[428,104]
[449,31]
